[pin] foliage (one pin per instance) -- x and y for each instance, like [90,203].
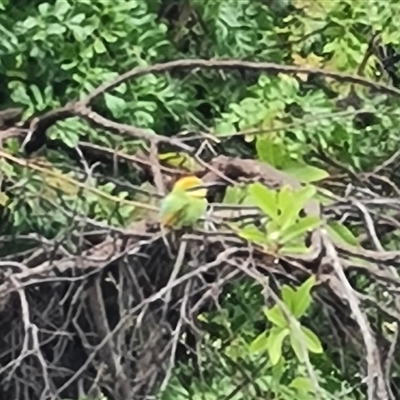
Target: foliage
[295,304]
[283,317]
[284,229]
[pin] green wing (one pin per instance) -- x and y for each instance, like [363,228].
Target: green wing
[182,207]
[173,206]
[194,210]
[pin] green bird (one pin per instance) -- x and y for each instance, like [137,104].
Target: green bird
[185,204]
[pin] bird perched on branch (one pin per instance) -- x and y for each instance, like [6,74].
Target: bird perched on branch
[185,204]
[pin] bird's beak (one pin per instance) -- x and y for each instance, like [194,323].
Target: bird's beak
[206,186]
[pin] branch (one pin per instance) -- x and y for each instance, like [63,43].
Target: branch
[236,65]
[80,108]
[375,378]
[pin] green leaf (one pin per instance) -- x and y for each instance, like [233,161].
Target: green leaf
[288,297]
[279,370]
[144,118]
[38,96]
[224,129]
[273,231]
[77,19]
[312,341]
[43,8]
[340,233]
[269,151]
[259,344]
[285,199]
[19,94]
[108,37]
[81,33]
[305,194]
[291,211]
[275,341]
[331,46]
[115,104]
[99,47]
[69,138]
[265,199]
[68,66]
[252,234]
[306,173]
[302,384]
[29,23]
[297,346]
[234,195]
[56,29]
[61,7]
[299,228]
[275,316]
[302,297]
[4,199]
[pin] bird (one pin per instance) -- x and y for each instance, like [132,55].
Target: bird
[185,203]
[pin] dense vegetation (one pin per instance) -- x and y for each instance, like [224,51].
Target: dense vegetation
[309,87]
